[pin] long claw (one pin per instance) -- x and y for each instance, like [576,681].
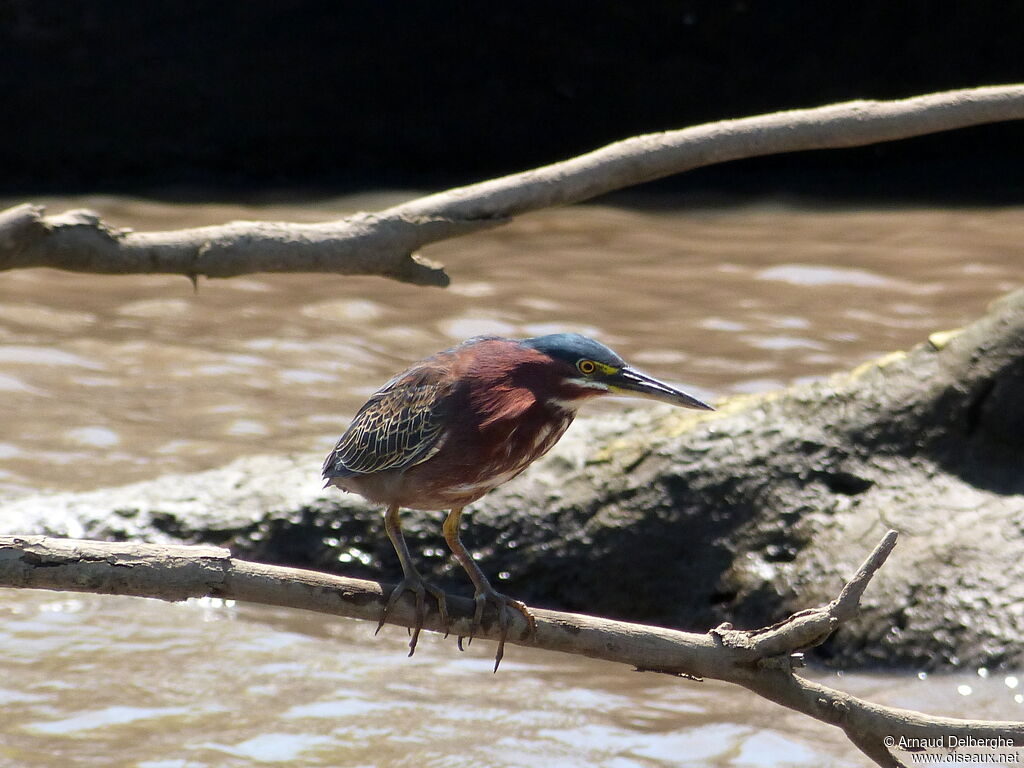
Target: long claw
[480,599]
[502,605]
[503,625]
[419,588]
[419,621]
[396,592]
[442,606]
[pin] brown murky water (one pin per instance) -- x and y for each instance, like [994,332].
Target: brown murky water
[113,379]
[105,380]
[91,681]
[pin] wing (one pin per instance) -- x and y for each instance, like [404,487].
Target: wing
[399,426]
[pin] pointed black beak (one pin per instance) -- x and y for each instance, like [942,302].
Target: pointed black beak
[635,384]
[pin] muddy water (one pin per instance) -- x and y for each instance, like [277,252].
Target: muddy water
[110,379]
[113,379]
[92,681]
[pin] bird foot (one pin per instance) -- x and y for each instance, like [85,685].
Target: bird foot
[419,589]
[503,604]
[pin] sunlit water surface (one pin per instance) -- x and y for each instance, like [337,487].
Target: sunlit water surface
[106,380]
[125,682]
[112,379]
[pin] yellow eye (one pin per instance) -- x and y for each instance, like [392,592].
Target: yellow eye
[586,367]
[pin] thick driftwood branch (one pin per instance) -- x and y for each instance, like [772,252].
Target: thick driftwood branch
[760,660]
[363,244]
[385,243]
[743,515]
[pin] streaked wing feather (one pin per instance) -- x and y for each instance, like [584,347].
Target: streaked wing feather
[399,426]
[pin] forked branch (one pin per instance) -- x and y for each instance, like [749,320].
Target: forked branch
[761,660]
[385,243]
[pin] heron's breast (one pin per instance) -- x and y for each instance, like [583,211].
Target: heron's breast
[522,444]
[475,458]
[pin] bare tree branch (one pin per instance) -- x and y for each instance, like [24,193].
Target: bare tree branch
[760,660]
[385,243]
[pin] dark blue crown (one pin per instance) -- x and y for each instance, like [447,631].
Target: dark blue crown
[571,347]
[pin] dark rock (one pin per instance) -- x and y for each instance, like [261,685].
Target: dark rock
[689,519]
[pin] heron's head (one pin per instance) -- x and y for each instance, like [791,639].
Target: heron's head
[590,368]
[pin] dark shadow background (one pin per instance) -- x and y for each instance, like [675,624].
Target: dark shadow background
[323,95]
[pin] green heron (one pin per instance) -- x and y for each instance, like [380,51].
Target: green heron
[462,422]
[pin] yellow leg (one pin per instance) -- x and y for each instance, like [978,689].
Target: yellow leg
[484,591]
[411,581]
